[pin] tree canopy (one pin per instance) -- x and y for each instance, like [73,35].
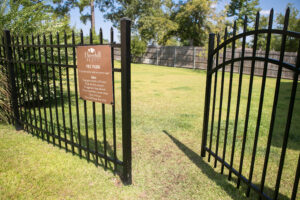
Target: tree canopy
[30,17]
[161,22]
[238,9]
[294,25]
[194,20]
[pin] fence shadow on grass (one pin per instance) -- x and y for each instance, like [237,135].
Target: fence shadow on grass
[219,179]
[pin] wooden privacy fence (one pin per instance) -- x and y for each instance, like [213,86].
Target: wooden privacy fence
[237,133]
[45,99]
[196,58]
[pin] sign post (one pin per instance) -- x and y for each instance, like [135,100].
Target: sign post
[126,99]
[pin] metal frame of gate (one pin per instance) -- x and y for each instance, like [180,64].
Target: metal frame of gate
[213,60]
[22,59]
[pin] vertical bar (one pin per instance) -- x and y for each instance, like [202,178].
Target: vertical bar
[126,98]
[1,62]
[241,71]
[95,133]
[290,112]
[103,116]
[113,106]
[48,84]
[86,130]
[261,101]
[207,92]
[26,84]
[85,114]
[104,134]
[37,84]
[94,114]
[296,182]
[22,84]
[61,92]
[55,92]
[262,98]
[174,56]
[249,101]
[68,88]
[32,89]
[15,66]
[76,95]
[214,99]
[274,105]
[12,81]
[287,128]
[22,71]
[221,98]
[17,78]
[43,89]
[229,98]
[194,62]
[156,55]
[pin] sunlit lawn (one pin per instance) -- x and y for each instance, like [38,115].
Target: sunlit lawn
[167,117]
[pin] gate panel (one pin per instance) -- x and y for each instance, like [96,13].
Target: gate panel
[239,126]
[46,103]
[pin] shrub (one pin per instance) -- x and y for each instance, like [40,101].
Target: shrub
[138,48]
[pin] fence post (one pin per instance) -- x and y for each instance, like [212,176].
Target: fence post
[12,80]
[126,99]
[207,92]
[156,55]
[194,61]
[174,56]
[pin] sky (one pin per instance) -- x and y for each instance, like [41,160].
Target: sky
[279,6]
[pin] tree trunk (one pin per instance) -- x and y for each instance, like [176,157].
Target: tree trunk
[92,16]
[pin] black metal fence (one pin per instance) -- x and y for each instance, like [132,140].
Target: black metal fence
[222,122]
[45,100]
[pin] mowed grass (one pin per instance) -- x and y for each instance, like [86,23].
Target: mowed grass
[167,120]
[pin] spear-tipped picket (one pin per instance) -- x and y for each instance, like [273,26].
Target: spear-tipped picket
[76,94]
[249,100]
[263,178]
[238,96]
[221,98]
[286,134]
[229,98]
[101,36]
[214,99]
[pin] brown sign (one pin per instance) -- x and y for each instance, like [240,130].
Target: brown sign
[95,73]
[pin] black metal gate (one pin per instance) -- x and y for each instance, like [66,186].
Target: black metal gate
[44,97]
[213,124]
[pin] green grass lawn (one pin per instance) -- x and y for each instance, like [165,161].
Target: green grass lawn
[167,117]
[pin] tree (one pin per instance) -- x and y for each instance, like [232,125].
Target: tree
[194,19]
[294,25]
[25,18]
[29,17]
[150,19]
[138,48]
[239,8]
[262,39]
[63,7]
[156,27]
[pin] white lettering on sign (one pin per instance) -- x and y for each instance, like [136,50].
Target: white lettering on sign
[91,55]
